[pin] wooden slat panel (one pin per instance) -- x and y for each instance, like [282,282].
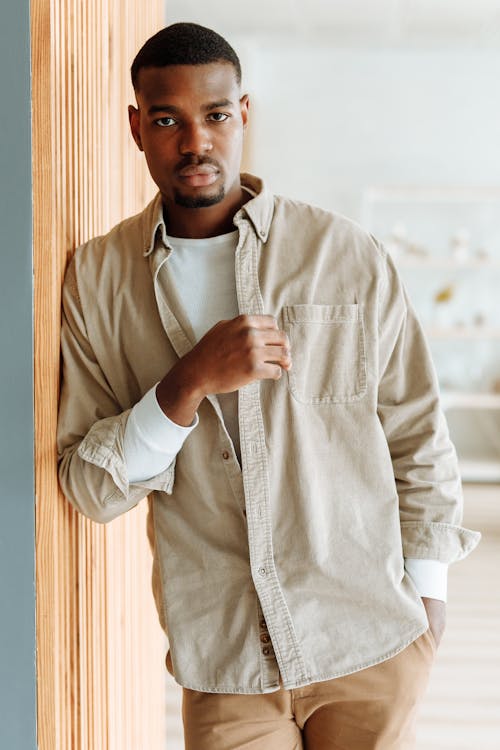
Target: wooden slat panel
[100,648]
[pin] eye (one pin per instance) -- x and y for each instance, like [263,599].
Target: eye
[165,122]
[218,116]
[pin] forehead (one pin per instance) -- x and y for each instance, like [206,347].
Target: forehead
[173,83]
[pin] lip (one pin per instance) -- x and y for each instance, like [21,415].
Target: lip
[199,175]
[198,169]
[200,179]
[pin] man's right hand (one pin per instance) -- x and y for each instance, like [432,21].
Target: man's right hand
[230,355]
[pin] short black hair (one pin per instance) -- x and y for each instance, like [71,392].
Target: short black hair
[184,44]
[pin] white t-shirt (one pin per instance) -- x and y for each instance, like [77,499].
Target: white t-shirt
[202,272]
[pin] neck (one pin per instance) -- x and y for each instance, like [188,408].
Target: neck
[200,223]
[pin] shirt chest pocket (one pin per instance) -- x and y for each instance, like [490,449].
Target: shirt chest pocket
[328,353]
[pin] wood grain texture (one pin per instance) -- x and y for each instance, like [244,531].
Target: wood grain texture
[101,652]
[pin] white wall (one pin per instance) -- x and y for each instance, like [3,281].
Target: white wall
[329,122]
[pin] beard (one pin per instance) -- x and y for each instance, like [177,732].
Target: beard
[200,201]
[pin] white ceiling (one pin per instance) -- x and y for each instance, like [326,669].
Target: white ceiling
[377,21]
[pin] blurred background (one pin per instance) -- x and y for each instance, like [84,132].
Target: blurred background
[388,111]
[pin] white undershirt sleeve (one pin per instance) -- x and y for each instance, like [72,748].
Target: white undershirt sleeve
[429,576]
[151,440]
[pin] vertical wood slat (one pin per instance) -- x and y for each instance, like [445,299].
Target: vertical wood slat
[100,648]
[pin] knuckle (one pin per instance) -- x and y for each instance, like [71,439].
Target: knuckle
[244,323]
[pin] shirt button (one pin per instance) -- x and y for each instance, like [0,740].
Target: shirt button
[266,650]
[225,455]
[265,638]
[262,571]
[262,624]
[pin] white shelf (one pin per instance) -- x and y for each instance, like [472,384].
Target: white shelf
[425,230]
[435,194]
[464,400]
[445,264]
[463,332]
[480,471]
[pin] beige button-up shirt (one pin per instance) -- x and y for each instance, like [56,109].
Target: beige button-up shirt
[293,564]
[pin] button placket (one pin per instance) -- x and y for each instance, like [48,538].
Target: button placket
[256,489]
[270,673]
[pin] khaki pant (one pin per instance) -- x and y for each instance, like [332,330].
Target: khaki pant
[373,709]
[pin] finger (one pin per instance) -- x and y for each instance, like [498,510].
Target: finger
[261,322]
[270,371]
[279,355]
[274,338]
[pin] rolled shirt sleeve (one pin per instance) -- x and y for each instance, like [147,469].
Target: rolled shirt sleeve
[93,471]
[424,459]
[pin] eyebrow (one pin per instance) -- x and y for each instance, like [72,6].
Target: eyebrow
[220,103]
[175,110]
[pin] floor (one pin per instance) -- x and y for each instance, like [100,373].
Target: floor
[462,707]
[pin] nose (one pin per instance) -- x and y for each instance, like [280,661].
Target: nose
[195,139]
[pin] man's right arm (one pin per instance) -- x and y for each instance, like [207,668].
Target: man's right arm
[91,425]
[91,429]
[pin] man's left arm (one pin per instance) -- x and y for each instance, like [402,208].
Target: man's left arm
[423,458]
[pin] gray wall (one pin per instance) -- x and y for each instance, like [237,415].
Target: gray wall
[17,591]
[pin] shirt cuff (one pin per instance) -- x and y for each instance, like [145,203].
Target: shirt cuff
[151,440]
[429,576]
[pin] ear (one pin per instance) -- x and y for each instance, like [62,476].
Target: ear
[244,106]
[134,120]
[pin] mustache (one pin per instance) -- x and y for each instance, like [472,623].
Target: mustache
[197,161]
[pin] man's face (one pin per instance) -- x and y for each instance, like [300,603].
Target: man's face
[189,123]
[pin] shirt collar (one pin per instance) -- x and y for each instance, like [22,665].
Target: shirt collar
[259,211]
[153,225]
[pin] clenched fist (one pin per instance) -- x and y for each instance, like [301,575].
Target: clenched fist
[230,355]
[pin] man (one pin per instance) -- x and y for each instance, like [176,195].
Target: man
[254,364]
